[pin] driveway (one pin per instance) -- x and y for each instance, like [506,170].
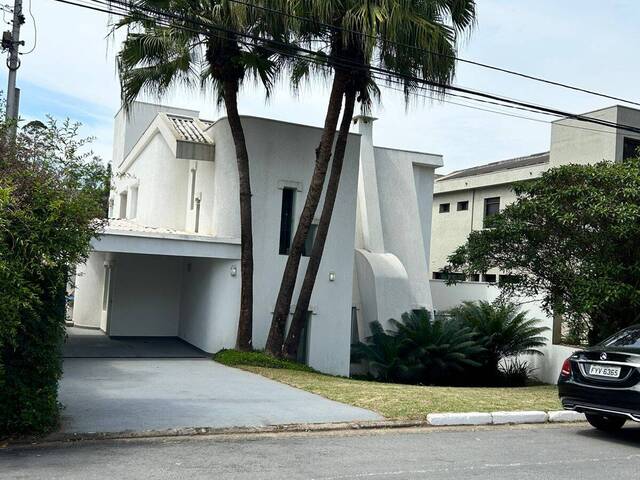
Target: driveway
[126,389]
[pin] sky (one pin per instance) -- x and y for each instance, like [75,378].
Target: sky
[587,43]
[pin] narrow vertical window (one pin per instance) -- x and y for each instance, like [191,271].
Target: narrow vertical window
[197,226]
[286,220]
[308,242]
[355,331]
[123,205]
[133,207]
[193,189]
[105,287]
[303,341]
[491,208]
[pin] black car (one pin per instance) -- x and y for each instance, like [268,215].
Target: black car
[604,381]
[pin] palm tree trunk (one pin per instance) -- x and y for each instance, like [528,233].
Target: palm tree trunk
[245,321]
[323,156]
[290,349]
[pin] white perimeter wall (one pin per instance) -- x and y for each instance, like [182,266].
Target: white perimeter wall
[547,367]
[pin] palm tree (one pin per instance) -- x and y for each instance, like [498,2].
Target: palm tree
[198,43]
[411,38]
[507,331]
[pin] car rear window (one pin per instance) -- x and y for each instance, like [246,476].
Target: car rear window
[629,337]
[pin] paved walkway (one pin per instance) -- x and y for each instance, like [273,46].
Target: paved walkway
[116,394]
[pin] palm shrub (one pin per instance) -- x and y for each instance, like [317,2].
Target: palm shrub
[503,329]
[420,350]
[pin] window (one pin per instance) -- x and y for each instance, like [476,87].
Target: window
[474,277]
[489,277]
[286,220]
[308,242]
[630,148]
[491,208]
[507,278]
[192,202]
[458,277]
[444,208]
[629,337]
[303,345]
[123,205]
[111,203]
[463,206]
[197,225]
[355,331]
[105,287]
[133,207]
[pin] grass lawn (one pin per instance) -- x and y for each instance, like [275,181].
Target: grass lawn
[405,402]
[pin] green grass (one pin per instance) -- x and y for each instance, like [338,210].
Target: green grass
[395,401]
[235,358]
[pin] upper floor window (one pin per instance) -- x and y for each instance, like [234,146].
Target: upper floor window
[491,208]
[123,205]
[630,148]
[463,206]
[192,201]
[444,208]
[286,220]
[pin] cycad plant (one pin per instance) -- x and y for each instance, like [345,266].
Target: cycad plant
[409,38]
[504,330]
[420,350]
[199,44]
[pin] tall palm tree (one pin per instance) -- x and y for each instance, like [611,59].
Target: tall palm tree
[415,38]
[198,43]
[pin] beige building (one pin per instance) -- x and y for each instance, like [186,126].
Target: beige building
[465,198]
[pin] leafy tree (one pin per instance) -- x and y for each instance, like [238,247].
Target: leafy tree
[51,202]
[420,350]
[200,43]
[503,329]
[412,38]
[571,239]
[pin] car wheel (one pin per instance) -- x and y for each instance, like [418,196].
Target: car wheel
[605,423]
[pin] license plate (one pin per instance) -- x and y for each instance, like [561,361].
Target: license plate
[600,371]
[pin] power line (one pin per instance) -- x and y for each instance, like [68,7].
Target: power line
[342,63]
[431,52]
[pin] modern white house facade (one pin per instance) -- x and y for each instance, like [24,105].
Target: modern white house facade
[168,264]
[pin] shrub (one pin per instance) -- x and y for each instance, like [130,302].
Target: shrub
[504,330]
[50,194]
[419,350]
[514,373]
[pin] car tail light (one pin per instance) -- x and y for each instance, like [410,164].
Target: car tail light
[566,368]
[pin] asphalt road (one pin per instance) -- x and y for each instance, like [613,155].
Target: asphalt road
[541,452]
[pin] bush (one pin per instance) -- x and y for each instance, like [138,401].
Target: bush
[233,358]
[420,350]
[50,194]
[514,373]
[504,331]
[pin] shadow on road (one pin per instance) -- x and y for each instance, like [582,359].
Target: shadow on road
[628,436]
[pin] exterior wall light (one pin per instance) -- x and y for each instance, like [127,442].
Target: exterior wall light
[332,276]
[234,270]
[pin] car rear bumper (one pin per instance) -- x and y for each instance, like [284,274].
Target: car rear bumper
[586,399]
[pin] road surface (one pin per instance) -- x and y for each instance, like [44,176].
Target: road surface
[533,452]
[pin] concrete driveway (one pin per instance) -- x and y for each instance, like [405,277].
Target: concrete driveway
[117,393]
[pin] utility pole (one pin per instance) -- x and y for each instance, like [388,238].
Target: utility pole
[11,42]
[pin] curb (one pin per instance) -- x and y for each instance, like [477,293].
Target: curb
[433,420]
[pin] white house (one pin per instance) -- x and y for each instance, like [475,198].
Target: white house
[168,262]
[465,198]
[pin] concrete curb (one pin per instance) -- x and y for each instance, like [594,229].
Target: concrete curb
[433,420]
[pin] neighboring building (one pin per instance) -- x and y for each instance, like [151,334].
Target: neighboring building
[168,262]
[465,198]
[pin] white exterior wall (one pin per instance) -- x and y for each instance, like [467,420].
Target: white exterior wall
[145,295]
[162,185]
[210,302]
[89,284]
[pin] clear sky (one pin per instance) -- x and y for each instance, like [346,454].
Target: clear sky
[590,43]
